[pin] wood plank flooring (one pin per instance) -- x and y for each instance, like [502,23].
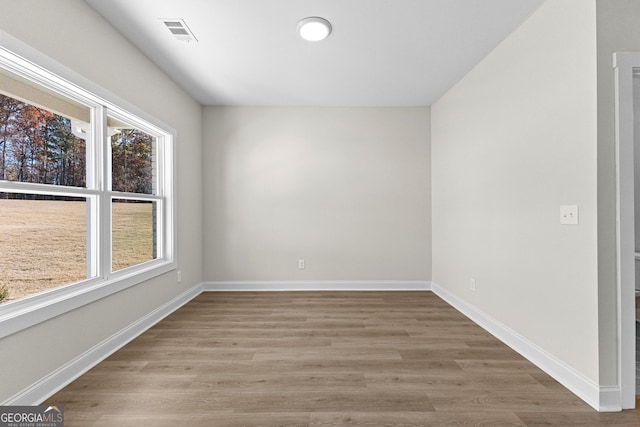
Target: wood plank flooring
[321,359]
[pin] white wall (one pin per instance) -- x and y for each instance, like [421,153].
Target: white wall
[346,189]
[70,32]
[636,153]
[511,142]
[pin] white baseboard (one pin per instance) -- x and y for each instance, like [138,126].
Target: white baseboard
[603,399]
[320,285]
[56,380]
[610,399]
[61,377]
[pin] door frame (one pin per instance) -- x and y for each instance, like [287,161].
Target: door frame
[624,64]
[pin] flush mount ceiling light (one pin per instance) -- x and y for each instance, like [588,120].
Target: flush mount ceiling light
[314,28]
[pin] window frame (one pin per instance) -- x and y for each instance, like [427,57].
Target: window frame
[23,313]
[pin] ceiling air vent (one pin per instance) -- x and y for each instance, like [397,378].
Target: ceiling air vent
[179,29]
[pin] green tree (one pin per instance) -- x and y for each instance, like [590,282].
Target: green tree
[132,152]
[29,144]
[64,152]
[9,112]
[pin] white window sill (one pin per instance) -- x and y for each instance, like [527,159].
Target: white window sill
[29,311]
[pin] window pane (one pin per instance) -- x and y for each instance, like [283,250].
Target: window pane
[132,158]
[42,241]
[133,232]
[38,145]
[42,134]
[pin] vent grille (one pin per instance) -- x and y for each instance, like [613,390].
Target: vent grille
[179,29]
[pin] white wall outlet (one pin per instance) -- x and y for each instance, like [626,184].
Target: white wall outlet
[300,264]
[569,214]
[472,284]
[179,276]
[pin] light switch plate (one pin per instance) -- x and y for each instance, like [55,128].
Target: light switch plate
[569,214]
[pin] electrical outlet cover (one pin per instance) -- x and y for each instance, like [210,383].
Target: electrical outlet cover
[569,214]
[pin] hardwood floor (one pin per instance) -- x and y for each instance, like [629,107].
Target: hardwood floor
[321,359]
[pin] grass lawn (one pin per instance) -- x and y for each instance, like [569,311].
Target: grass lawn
[43,243]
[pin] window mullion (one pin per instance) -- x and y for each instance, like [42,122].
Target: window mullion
[93,177]
[102,228]
[35,188]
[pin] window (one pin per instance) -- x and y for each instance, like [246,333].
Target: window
[43,241]
[85,191]
[133,174]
